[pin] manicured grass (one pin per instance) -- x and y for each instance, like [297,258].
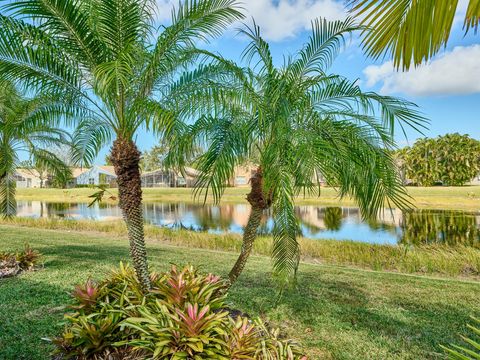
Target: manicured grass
[460,261]
[461,198]
[337,313]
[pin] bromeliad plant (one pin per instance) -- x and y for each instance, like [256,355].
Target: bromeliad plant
[184,316]
[12,263]
[301,126]
[109,61]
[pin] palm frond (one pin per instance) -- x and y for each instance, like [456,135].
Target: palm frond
[68,18]
[322,48]
[286,250]
[471,349]
[194,20]
[411,31]
[89,137]
[8,204]
[472,17]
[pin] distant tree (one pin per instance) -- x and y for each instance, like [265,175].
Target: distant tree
[153,159]
[452,159]
[108,161]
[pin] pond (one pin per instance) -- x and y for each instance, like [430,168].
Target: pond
[391,227]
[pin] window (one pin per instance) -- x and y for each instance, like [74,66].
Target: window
[241,180]
[91,181]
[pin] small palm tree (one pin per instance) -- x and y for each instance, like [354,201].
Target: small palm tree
[111,67]
[411,30]
[301,125]
[27,125]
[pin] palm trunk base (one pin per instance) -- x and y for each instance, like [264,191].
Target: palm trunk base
[259,202]
[249,236]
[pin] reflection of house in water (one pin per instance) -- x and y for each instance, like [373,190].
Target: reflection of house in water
[330,218]
[31,209]
[316,216]
[197,216]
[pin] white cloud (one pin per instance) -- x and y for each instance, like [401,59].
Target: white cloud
[453,72]
[278,19]
[285,18]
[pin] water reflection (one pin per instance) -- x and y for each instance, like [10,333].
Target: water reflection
[391,226]
[440,227]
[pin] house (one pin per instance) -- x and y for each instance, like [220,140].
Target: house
[76,172]
[98,175]
[29,178]
[169,178]
[475,180]
[242,175]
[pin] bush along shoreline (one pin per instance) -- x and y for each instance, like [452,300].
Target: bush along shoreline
[14,263]
[183,316]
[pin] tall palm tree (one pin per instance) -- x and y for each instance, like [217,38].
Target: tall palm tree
[28,126]
[412,31]
[108,62]
[301,124]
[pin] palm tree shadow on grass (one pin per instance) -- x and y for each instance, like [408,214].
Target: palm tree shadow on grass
[403,323]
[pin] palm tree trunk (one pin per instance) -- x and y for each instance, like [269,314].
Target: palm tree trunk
[125,158]
[259,203]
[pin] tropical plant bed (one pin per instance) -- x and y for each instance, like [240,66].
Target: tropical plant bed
[183,316]
[13,263]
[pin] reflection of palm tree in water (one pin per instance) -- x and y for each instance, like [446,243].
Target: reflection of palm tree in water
[57,209]
[440,227]
[333,218]
[214,217]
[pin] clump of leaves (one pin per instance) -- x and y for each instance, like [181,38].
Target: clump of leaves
[471,349]
[13,263]
[28,258]
[183,316]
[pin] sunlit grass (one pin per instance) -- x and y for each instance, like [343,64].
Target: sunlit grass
[336,312]
[428,259]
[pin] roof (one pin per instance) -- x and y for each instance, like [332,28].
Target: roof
[28,173]
[188,171]
[77,171]
[108,169]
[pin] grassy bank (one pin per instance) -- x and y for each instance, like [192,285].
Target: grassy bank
[461,198]
[337,313]
[435,259]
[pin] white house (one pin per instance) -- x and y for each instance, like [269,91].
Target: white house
[97,175]
[29,178]
[475,180]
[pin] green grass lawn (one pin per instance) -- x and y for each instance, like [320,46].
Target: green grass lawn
[336,312]
[462,198]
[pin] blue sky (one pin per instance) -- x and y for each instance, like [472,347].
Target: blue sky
[447,90]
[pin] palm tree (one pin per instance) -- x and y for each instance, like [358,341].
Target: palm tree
[412,31]
[109,64]
[27,125]
[300,124]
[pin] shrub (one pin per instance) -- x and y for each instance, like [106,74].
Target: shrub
[184,316]
[12,263]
